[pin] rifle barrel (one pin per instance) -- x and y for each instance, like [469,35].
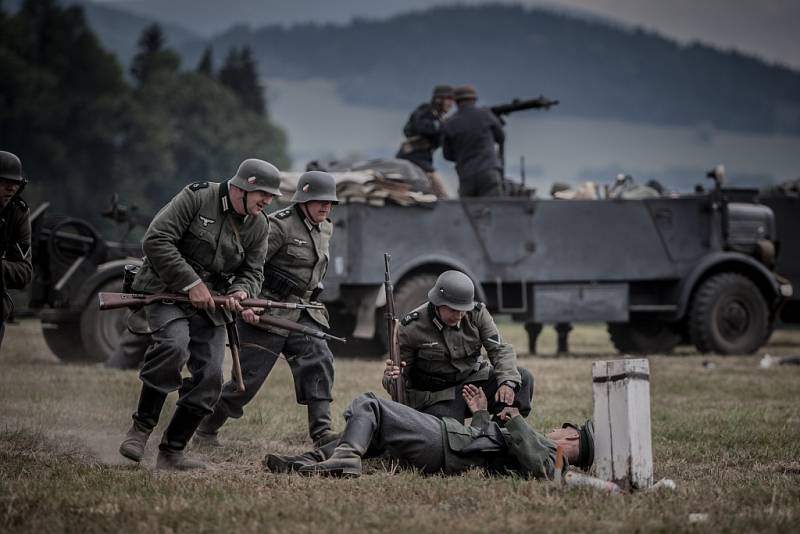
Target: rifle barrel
[112,301]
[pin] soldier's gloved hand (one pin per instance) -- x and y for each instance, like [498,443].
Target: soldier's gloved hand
[474,397]
[250,315]
[200,297]
[505,395]
[232,301]
[392,371]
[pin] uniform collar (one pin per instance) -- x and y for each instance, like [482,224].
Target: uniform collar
[224,198]
[438,323]
[310,225]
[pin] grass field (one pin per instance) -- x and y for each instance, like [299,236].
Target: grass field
[728,434]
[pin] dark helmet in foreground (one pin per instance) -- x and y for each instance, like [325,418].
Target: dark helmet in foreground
[453,289]
[11,168]
[258,175]
[316,185]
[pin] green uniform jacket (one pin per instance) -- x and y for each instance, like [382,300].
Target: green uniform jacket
[15,251]
[198,236]
[452,352]
[533,454]
[298,250]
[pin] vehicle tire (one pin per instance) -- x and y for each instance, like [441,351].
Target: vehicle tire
[64,340]
[101,331]
[728,315]
[644,336]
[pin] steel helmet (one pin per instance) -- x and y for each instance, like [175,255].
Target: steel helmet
[258,175]
[453,289]
[316,185]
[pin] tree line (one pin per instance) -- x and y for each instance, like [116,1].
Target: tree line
[85,130]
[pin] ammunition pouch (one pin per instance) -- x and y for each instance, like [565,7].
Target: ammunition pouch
[128,274]
[282,284]
[219,282]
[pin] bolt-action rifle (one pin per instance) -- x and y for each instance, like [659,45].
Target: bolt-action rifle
[397,389]
[113,301]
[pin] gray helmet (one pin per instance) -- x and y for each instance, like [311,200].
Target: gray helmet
[453,289]
[316,185]
[442,91]
[258,175]
[11,168]
[464,92]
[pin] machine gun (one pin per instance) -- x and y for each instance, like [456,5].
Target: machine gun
[540,102]
[398,387]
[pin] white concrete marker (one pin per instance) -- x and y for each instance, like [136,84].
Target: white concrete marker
[623,452]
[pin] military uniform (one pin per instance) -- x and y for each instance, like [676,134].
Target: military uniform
[378,427]
[296,263]
[15,236]
[197,237]
[423,132]
[440,359]
[15,254]
[469,138]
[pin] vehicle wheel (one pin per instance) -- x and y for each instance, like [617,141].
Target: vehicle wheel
[101,331]
[644,336]
[64,340]
[728,315]
[409,294]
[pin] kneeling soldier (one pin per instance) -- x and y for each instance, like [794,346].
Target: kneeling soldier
[297,259]
[210,237]
[440,347]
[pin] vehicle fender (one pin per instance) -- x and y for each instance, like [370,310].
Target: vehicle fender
[727,262]
[431,263]
[105,272]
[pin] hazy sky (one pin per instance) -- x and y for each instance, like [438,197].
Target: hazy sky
[766,28]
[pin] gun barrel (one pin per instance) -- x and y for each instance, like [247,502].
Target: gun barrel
[515,105]
[297,327]
[113,301]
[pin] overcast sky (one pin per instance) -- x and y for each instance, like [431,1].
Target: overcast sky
[766,28]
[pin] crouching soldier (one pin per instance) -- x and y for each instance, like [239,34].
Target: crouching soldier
[212,237]
[378,427]
[440,347]
[296,262]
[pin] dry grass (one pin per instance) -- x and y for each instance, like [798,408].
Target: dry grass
[729,437]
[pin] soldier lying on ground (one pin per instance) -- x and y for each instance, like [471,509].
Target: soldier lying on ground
[378,427]
[440,346]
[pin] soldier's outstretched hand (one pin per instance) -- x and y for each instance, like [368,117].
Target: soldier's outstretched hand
[392,371]
[201,298]
[474,397]
[505,395]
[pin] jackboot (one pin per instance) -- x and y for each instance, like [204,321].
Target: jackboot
[171,450]
[206,434]
[145,419]
[345,463]
[286,463]
[319,422]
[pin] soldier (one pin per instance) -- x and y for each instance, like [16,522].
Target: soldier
[440,347]
[210,237]
[423,132]
[297,259]
[15,234]
[469,139]
[378,426]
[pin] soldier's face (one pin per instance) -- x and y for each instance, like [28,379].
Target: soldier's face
[443,105]
[318,210]
[8,189]
[449,316]
[257,201]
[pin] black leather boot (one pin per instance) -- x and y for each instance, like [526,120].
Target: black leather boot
[319,422]
[206,435]
[180,430]
[145,419]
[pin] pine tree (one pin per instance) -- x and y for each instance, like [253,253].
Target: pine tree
[153,57]
[240,74]
[206,64]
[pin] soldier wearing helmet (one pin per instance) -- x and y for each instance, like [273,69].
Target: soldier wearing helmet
[423,132]
[211,237]
[296,262]
[15,234]
[440,346]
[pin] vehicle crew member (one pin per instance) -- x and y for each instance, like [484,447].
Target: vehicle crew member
[210,237]
[296,262]
[15,234]
[378,427]
[440,347]
[470,139]
[423,132]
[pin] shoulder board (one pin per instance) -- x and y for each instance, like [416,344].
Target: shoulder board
[478,306]
[197,186]
[20,202]
[413,316]
[284,213]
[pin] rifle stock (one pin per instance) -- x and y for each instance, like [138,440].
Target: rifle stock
[233,343]
[398,388]
[113,301]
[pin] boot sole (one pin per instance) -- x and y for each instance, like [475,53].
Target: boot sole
[335,473]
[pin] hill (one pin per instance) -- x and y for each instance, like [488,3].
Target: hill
[597,69]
